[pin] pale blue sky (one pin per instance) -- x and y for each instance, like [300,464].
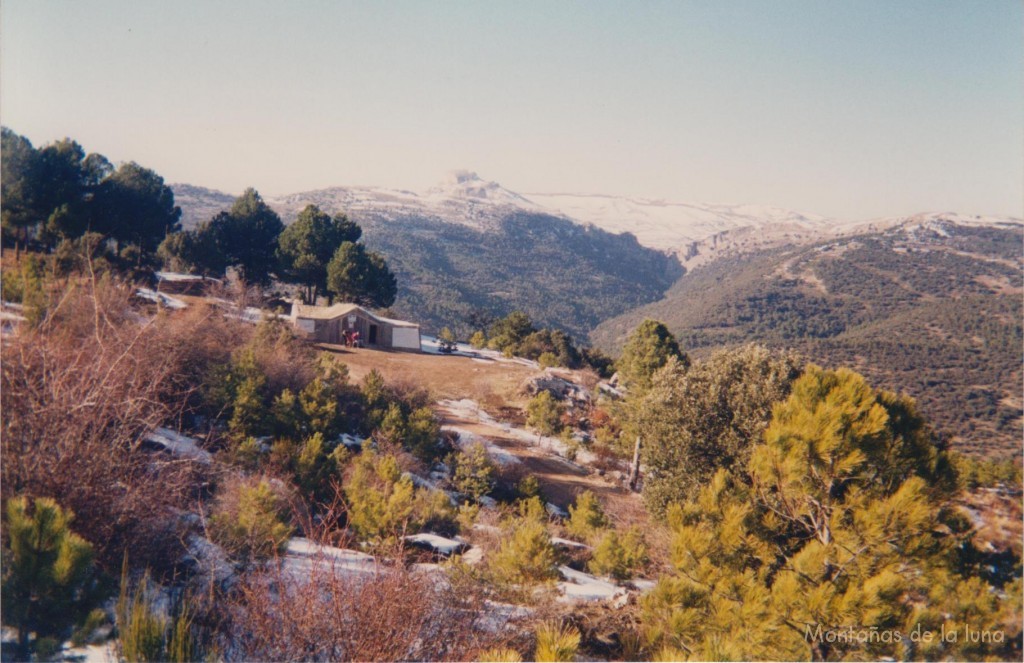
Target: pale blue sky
[849,108]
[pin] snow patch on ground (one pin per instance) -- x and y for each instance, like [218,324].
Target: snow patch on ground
[160,298]
[497,454]
[579,586]
[303,556]
[179,445]
[101,653]
[566,543]
[178,277]
[439,544]
[470,410]
[643,585]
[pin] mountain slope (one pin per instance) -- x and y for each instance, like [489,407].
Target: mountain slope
[199,204]
[472,247]
[930,307]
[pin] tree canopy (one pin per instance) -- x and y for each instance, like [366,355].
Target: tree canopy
[649,347]
[307,247]
[695,421]
[244,238]
[58,193]
[251,237]
[836,540]
[357,275]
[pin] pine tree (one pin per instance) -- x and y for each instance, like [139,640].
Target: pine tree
[649,347]
[47,571]
[527,554]
[474,471]
[307,246]
[586,517]
[840,521]
[381,500]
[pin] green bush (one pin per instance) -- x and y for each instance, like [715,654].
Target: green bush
[473,472]
[380,500]
[547,360]
[466,516]
[544,413]
[529,486]
[249,521]
[478,340]
[527,554]
[619,558]
[586,517]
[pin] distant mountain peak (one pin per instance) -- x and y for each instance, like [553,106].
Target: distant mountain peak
[469,186]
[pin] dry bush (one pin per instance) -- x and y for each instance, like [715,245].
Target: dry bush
[409,392]
[390,615]
[78,394]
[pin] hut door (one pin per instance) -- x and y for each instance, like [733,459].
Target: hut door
[373,335]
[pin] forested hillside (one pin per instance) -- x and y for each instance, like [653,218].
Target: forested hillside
[561,274]
[484,259]
[933,310]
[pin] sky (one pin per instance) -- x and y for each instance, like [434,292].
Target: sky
[847,108]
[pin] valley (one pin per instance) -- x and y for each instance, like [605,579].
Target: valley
[928,304]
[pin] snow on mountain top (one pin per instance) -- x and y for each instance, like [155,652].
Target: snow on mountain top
[466,198]
[671,225]
[467,185]
[931,219]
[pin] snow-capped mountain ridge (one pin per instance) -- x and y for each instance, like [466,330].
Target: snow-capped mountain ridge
[696,232]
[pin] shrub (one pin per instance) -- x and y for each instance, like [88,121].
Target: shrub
[544,413]
[314,468]
[422,434]
[77,396]
[478,340]
[528,487]
[467,515]
[695,420]
[556,642]
[619,558]
[392,615]
[586,517]
[434,512]
[473,471]
[380,499]
[248,410]
[527,554]
[547,360]
[47,571]
[400,415]
[248,519]
[648,348]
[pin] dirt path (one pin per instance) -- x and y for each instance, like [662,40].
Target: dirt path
[560,480]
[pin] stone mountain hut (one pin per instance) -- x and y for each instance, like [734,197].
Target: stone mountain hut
[328,324]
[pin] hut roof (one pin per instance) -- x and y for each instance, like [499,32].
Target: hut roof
[337,310]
